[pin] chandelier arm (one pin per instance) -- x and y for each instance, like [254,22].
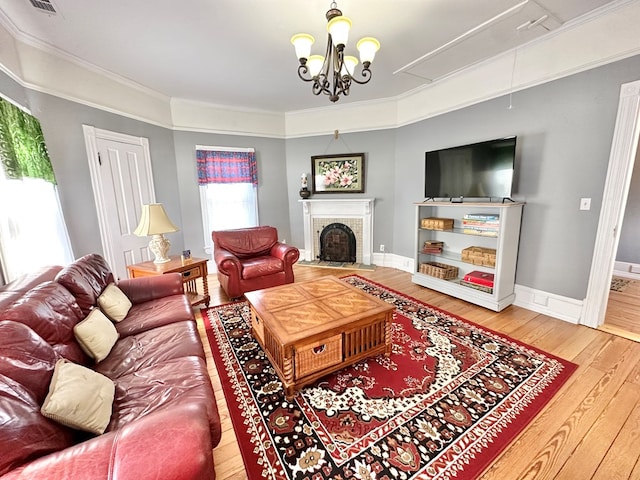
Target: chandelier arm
[321,85]
[366,74]
[304,70]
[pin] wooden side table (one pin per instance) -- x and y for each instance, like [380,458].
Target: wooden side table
[190,269]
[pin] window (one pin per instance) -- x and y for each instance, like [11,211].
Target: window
[32,229]
[228,180]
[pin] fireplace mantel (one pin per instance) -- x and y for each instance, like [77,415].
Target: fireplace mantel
[335,209]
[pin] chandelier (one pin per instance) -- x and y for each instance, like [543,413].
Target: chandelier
[332,74]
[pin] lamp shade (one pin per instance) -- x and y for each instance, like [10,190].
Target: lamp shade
[368,47]
[154,221]
[349,65]
[302,43]
[315,64]
[338,28]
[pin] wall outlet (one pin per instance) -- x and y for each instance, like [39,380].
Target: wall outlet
[382,248]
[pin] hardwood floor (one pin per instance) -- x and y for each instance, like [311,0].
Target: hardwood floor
[623,312]
[589,430]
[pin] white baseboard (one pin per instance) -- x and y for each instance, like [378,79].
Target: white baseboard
[627,270]
[556,306]
[393,261]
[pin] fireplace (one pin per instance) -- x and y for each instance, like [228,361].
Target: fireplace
[356,214]
[337,244]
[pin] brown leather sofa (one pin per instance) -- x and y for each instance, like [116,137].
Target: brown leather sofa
[164,420]
[251,259]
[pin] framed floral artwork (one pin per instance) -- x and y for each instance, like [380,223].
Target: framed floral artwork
[343,173]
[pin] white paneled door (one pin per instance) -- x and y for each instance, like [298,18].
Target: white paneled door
[122,182]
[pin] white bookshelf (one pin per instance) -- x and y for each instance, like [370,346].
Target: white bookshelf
[505,242]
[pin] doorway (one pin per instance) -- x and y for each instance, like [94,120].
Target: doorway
[624,149]
[622,315]
[122,181]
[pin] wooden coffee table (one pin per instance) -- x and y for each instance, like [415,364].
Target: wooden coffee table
[310,329]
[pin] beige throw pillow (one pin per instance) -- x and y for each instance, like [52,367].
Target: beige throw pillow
[79,398]
[96,334]
[114,303]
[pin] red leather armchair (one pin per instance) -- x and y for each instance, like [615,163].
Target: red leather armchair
[251,259]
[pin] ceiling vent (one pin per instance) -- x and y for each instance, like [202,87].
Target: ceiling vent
[44,6]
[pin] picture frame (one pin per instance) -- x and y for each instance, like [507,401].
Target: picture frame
[341,173]
[186,255]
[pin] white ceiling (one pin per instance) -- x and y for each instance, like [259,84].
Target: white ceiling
[237,52]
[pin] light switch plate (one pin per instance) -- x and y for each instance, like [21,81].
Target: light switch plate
[585,204]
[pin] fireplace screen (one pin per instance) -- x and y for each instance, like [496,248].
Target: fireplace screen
[337,244]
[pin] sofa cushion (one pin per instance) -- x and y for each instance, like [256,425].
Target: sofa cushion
[79,398]
[25,433]
[26,358]
[261,266]
[247,242]
[162,386]
[114,303]
[86,278]
[156,313]
[52,312]
[96,335]
[14,290]
[153,347]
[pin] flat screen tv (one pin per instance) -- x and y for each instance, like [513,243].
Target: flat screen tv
[478,170]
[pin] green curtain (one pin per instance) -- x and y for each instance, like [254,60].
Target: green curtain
[23,152]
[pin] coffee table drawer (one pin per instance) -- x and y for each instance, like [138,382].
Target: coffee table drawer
[315,356]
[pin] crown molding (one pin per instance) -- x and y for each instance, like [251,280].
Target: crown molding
[582,41]
[26,39]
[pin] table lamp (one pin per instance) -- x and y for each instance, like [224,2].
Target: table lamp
[154,221]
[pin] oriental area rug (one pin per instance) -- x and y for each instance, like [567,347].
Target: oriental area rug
[448,400]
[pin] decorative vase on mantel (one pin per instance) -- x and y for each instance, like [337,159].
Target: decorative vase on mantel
[304,193]
[304,190]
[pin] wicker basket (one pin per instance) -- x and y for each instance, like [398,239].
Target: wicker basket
[316,356]
[480,256]
[435,223]
[439,270]
[475,286]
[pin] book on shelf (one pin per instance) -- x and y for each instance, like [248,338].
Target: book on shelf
[490,223]
[432,246]
[481,216]
[475,231]
[479,278]
[491,228]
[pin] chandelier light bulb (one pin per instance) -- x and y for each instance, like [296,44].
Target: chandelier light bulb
[338,28]
[302,43]
[349,65]
[315,63]
[368,46]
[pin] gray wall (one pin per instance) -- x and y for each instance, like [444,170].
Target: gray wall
[273,207]
[564,131]
[378,148]
[62,122]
